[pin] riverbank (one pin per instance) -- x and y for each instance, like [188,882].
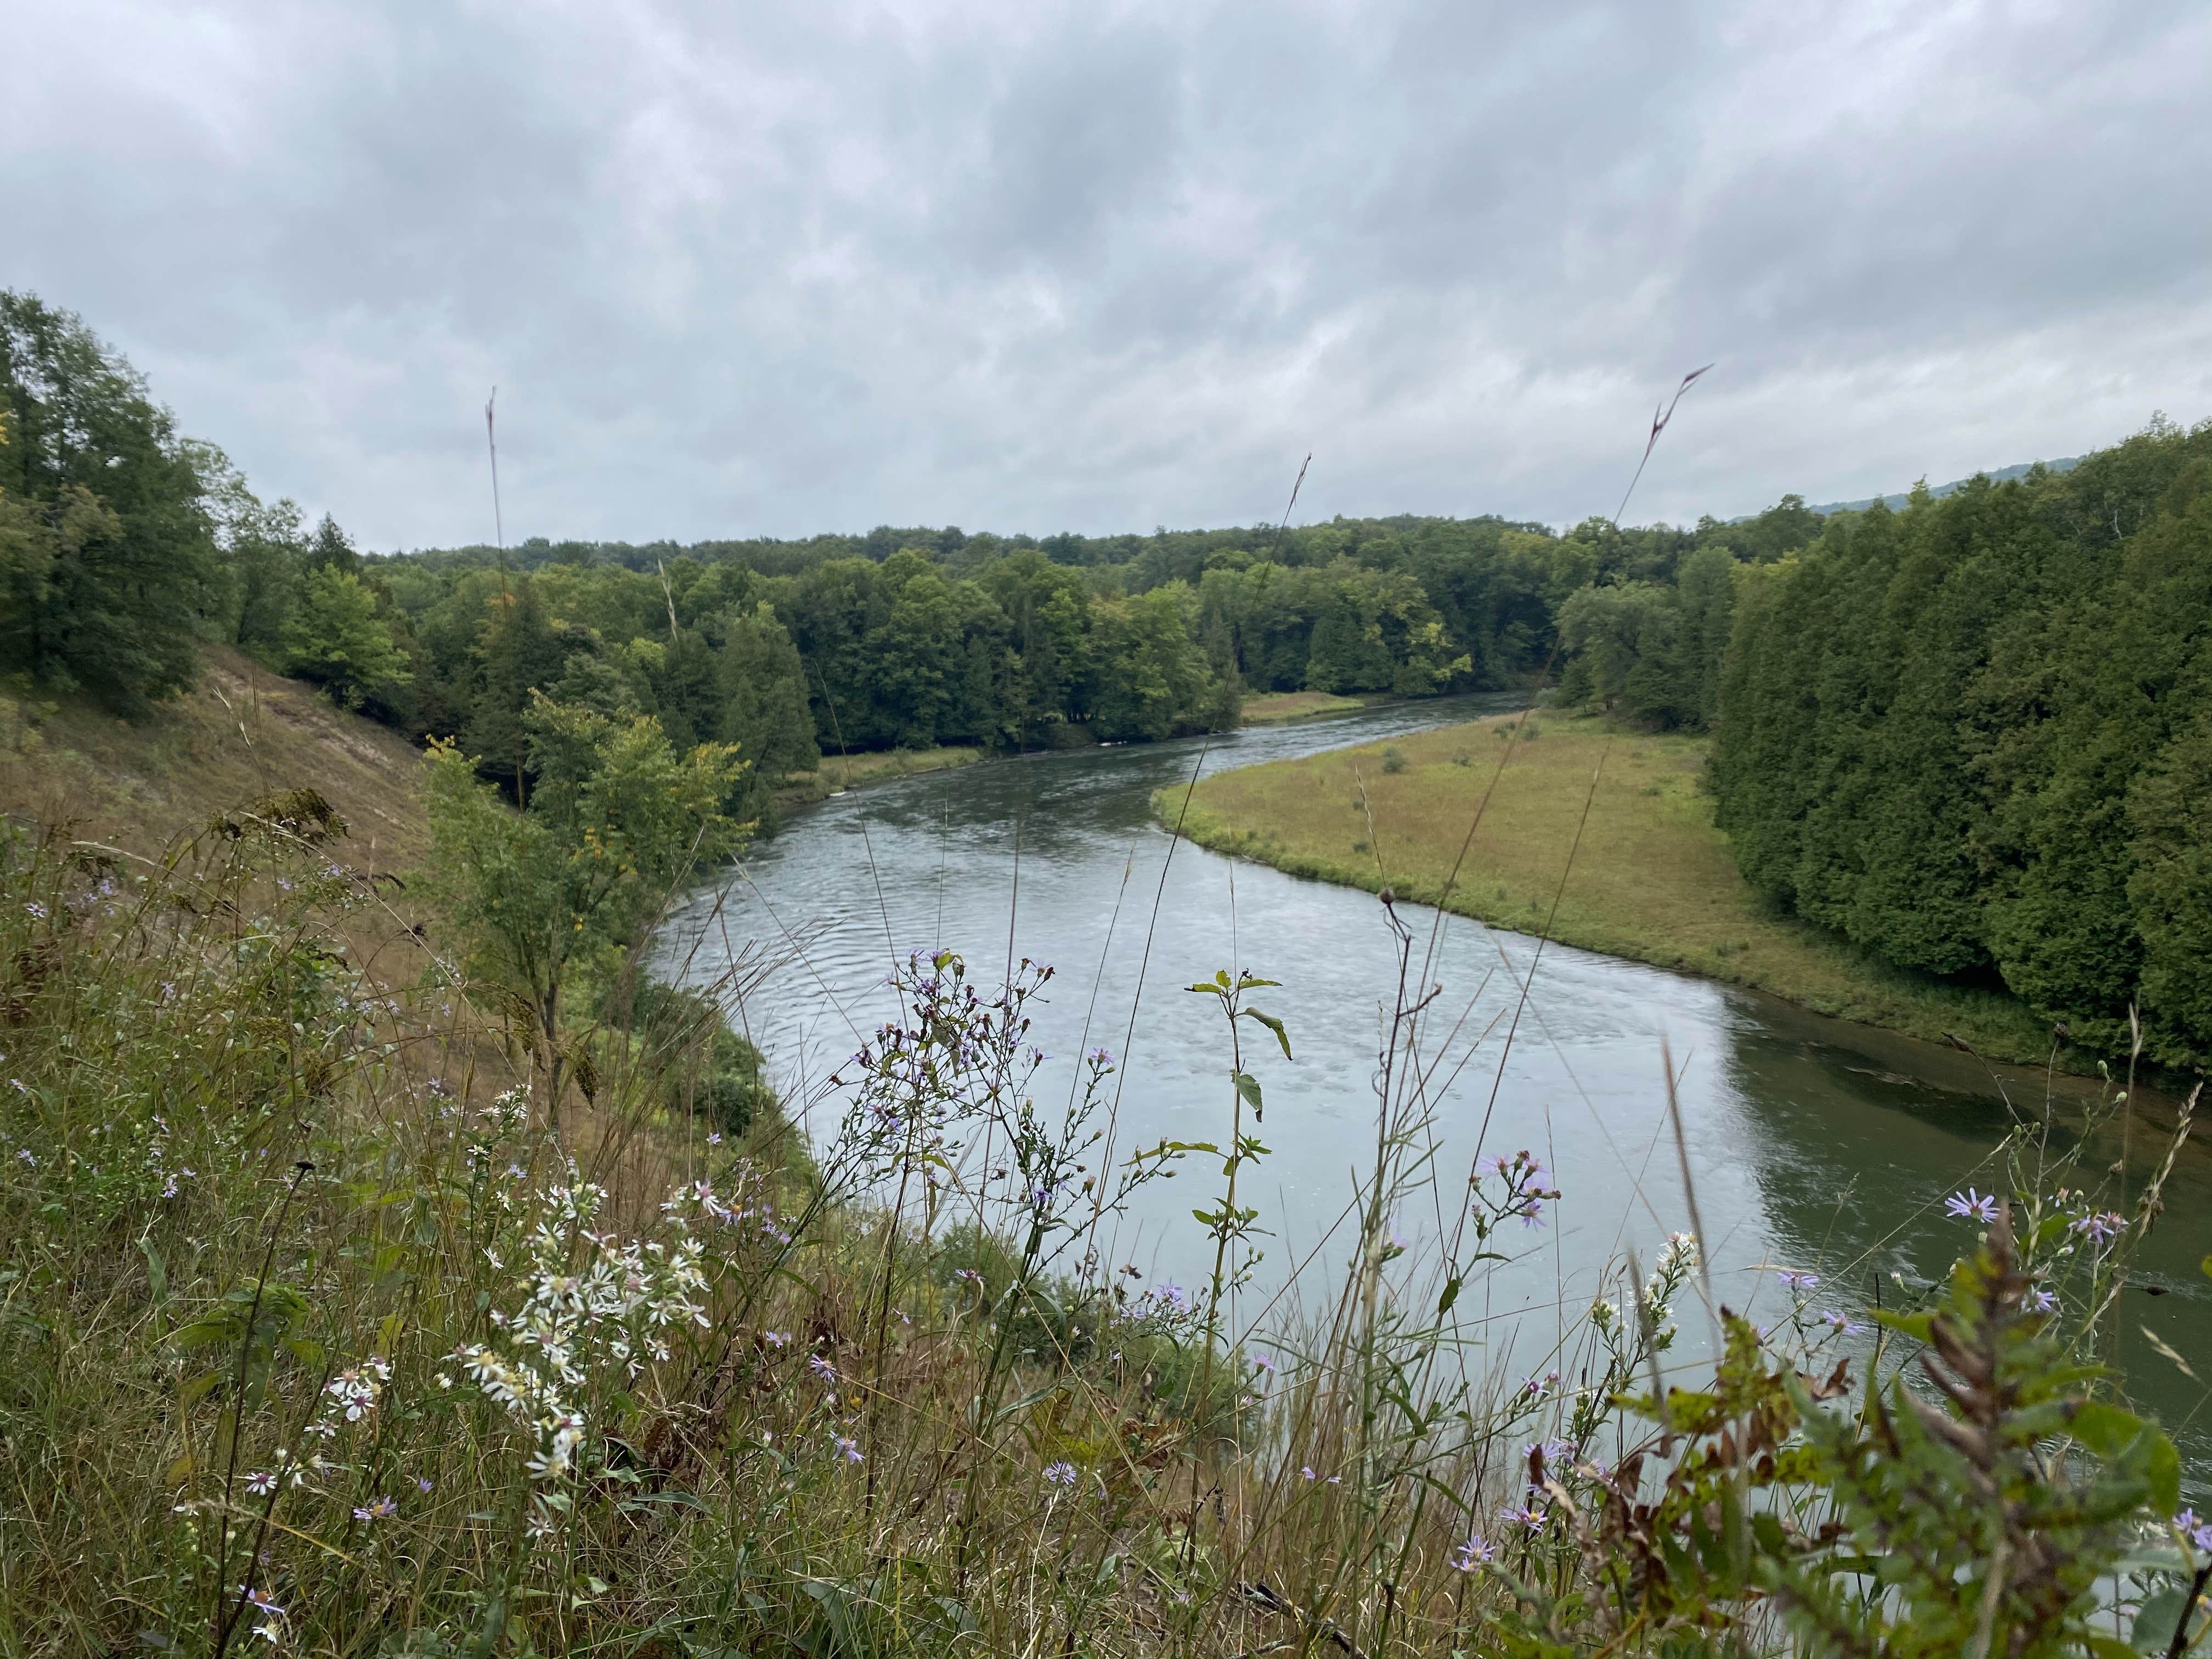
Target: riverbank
[842,772]
[1279,706]
[1652,878]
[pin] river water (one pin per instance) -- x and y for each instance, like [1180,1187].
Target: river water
[1813,1144]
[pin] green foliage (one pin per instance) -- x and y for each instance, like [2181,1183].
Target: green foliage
[704,1070]
[108,565]
[336,638]
[1968,736]
[616,819]
[1986,1516]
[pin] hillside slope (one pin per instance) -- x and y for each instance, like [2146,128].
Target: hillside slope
[241,734]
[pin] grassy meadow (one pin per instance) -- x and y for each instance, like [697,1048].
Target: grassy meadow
[842,772]
[1279,706]
[1650,879]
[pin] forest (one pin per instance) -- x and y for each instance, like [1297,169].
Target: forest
[1971,735]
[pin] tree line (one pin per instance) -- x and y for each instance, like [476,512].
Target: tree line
[1968,735]
[1975,736]
[127,545]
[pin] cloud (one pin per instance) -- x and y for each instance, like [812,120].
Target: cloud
[1035,267]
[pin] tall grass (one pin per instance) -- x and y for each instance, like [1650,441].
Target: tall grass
[313,1337]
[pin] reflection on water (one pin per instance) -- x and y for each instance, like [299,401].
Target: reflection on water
[1812,1145]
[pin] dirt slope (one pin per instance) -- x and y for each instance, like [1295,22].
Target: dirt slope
[241,734]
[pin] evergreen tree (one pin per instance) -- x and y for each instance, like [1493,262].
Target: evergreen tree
[518,653]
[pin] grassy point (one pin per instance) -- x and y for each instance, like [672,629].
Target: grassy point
[1653,880]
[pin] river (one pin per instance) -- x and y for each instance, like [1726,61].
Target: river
[1813,1144]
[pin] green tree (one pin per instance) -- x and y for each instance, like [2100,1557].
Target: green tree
[536,897]
[265,551]
[115,569]
[336,639]
[517,652]
[331,549]
[764,703]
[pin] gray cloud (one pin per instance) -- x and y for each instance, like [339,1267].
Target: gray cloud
[776,270]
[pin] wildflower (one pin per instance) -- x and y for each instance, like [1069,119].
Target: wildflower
[382,1509]
[261,1483]
[39,911]
[848,1447]
[25,1154]
[1307,1471]
[1531,1516]
[1060,1474]
[1971,1206]
[1842,1323]
[714,1140]
[2040,1300]
[2102,1227]
[2199,1533]
[1793,1281]
[777,1338]
[1555,1451]
[421,1483]
[1263,1361]
[1476,1550]
[822,1367]
[260,1600]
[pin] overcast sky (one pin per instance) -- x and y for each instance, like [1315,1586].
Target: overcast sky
[744,270]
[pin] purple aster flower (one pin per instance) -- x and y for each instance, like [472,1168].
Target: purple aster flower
[2199,1533]
[1842,1322]
[2102,1227]
[1060,1474]
[848,1447]
[1794,1280]
[1476,1550]
[1971,1206]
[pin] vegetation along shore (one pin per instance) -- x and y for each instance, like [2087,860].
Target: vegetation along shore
[1651,879]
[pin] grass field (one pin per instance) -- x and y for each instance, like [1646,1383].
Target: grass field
[1280,706]
[842,772]
[1652,878]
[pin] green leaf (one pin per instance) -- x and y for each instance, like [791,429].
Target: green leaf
[1451,1295]
[157,1273]
[2154,1631]
[1273,1025]
[1248,1087]
[2107,1430]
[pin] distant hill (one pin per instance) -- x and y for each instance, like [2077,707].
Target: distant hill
[2065,464]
